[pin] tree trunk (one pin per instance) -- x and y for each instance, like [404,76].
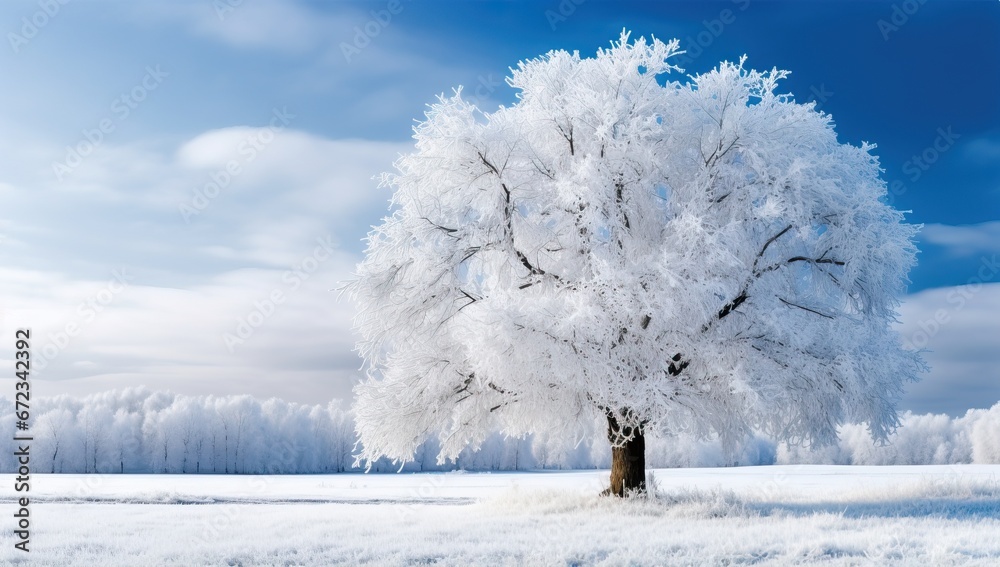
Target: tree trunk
[628,459]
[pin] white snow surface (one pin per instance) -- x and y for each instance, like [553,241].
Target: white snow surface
[774,515]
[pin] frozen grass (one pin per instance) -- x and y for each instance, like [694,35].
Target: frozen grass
[945,515]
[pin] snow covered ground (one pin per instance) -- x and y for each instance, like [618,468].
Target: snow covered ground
[778,515]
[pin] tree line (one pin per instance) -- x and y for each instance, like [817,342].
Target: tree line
[138,430]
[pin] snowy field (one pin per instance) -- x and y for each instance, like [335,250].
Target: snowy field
[777,515]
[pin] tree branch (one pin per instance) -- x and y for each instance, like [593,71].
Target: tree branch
[816,261]
[676,366]
[568,137]
[488,164]
[436,225]
[620,200]
[790,304]
[769,242]
[508,214]
[719,152]
[757,273]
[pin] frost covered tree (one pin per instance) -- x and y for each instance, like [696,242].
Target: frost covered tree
[620,248]
[126,438]
[95,427]
[55,428]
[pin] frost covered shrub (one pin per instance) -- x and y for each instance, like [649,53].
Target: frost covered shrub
[826,455]
[931,439]
[562,452]
[985,437]
[924,439]
[686,451]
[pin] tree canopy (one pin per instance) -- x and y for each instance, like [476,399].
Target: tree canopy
[697,255]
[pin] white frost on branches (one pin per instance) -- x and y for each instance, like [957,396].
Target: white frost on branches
[700,257]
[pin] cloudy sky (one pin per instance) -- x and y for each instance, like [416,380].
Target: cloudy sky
[184,183]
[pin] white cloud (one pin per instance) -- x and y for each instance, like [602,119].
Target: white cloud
[183,204]
[959,327]
[285,26]
[985,150]
[298,168]
[268,332]
[964,239]
[289,224]
[280,25]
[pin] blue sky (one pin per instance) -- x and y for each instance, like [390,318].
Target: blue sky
[149,263]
